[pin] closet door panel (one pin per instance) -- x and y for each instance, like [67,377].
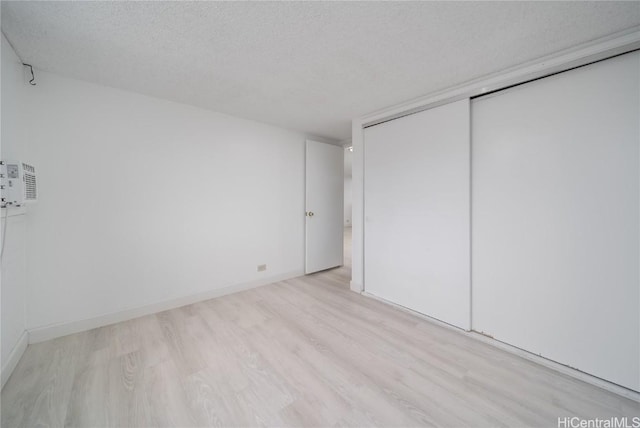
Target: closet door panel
[417,212]
[555,218]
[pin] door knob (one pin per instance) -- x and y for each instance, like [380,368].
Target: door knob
[310,213]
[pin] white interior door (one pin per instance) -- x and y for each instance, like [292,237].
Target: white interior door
[324,206]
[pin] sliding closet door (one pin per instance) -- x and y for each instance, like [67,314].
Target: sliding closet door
[555,220]
[417,212]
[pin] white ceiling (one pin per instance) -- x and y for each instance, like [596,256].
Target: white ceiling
[309,66]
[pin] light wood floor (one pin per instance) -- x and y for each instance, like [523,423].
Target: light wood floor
[302,352]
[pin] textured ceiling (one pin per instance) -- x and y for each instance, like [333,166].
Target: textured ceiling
[309,66]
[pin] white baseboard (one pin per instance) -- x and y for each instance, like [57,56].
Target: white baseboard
[553,365]
[16,353]
[569,371]
[13,211]
[53,331]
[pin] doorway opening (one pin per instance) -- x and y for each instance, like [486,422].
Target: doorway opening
[348,158]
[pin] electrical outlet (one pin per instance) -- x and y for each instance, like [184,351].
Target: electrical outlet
[262,268]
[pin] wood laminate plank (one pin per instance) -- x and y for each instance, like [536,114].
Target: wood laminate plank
[302,352]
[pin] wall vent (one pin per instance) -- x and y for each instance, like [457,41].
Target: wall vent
[29,179]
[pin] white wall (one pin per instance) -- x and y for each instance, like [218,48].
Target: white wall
[144,200]
[13,273]
[347,201]
[555,222]
[348,155]
[416,196]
